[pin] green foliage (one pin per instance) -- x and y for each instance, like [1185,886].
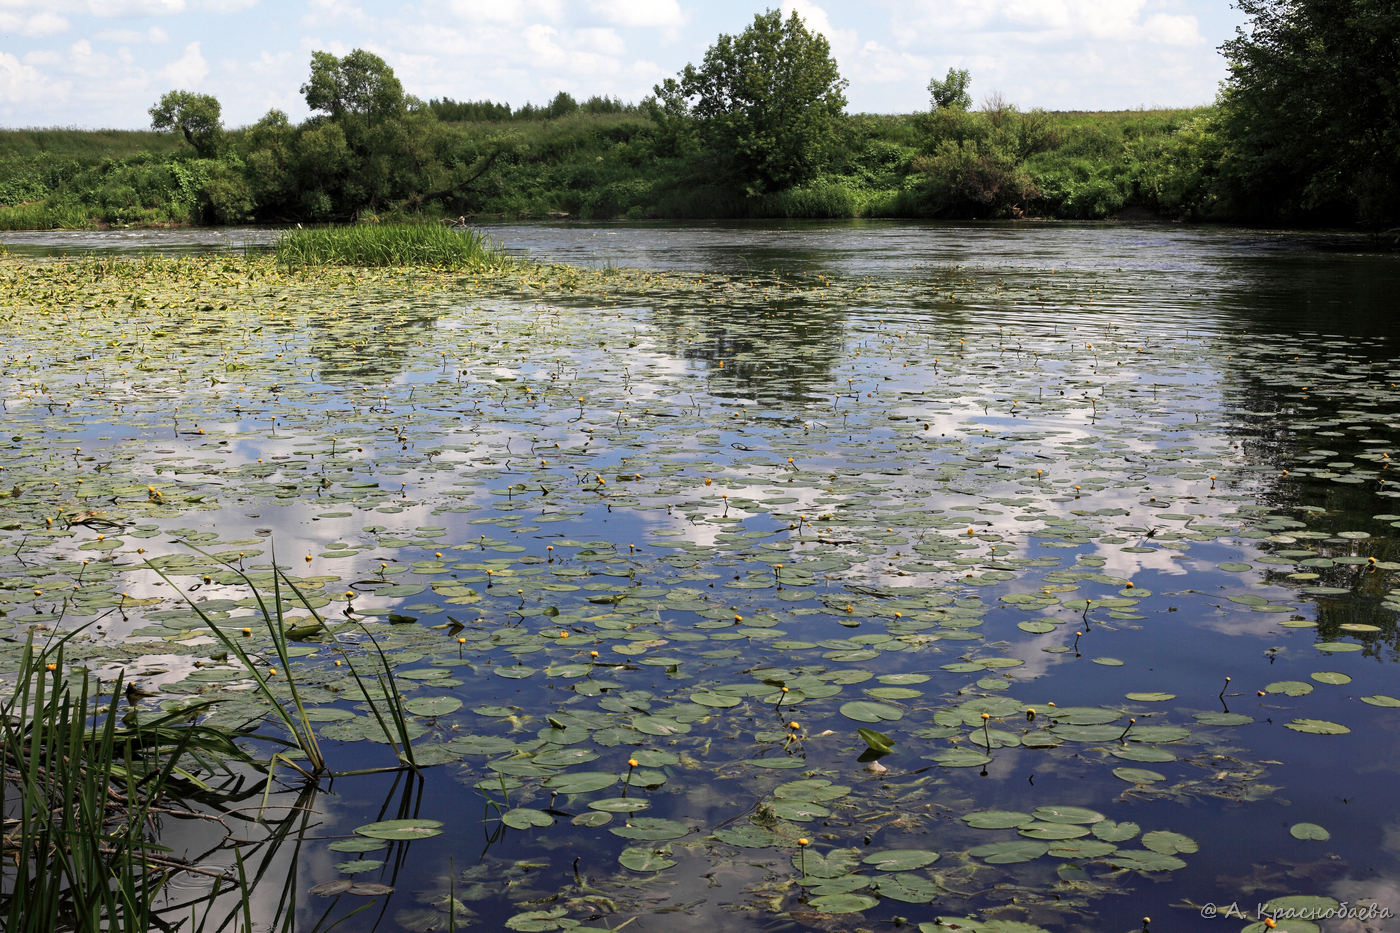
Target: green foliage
[82,785]
[972,180]
[359,84]
[44,215]
[226,197]
[823,199]
[1311,111]
[388,245]
[767,102]
[561,106]
[1177,174]
[1077,188]
[755,131]
[950,93]
[196,116]
[446,108]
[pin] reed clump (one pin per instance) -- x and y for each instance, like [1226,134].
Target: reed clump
[81,786]
[436,245]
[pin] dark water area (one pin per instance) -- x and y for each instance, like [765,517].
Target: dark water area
[649,563]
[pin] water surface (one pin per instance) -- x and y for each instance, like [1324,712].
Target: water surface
[1133,478]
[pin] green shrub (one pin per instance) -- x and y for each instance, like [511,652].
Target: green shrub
[225,196]
[968,180]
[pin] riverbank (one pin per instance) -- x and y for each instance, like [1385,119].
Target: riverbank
[983,164]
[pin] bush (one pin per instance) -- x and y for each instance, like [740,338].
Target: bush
[226,197]
[967,180]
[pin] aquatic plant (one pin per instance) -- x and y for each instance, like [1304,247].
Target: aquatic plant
[297,720]
[507,468]
[421,244]
[81,787]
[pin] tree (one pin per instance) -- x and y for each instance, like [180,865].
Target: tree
[1311,110]
[950,93]
[359,84]
[562,105]
[768,102]
[194,115]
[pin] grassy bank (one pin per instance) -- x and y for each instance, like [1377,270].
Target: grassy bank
[995,162]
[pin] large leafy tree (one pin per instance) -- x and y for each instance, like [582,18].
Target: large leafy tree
[359,84]
[366,149]
[195,116]
[1312,110]
[767,103]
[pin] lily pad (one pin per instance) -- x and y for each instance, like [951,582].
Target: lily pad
[401,829]
[1317,727]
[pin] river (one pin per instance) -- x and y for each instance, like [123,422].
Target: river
[1090,527]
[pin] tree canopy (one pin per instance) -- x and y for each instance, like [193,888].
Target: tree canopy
[767,103]
[360,84]
[196,116]
[1312,110]
[951,93]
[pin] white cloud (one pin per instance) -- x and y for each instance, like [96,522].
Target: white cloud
[813,17]
[114,9]
[154,36]
[876,64]
[505,11]
[1174,30]
[187,70]
[34,26]
[323,13]
[602,41]
[640,13]
[20,82]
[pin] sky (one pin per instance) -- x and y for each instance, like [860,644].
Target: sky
[104,63]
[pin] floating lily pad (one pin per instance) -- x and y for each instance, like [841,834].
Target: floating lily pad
[401,829]
[870,711]
[996,819]
[525,818]
[1317,727]
[645,827]
[432,706]
[901,859]
[641,858]
[1309,831]
[1059,814]
[842,903]
[1011,852]
[1169,843]
[1382,700]
[1110,831]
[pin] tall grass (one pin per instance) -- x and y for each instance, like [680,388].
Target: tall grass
[79,793]
[54,143]
[436,245]
[392,722]
[42,215]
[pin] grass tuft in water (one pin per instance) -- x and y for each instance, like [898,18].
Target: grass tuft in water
[80,788]
[436,245]
[392,722]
